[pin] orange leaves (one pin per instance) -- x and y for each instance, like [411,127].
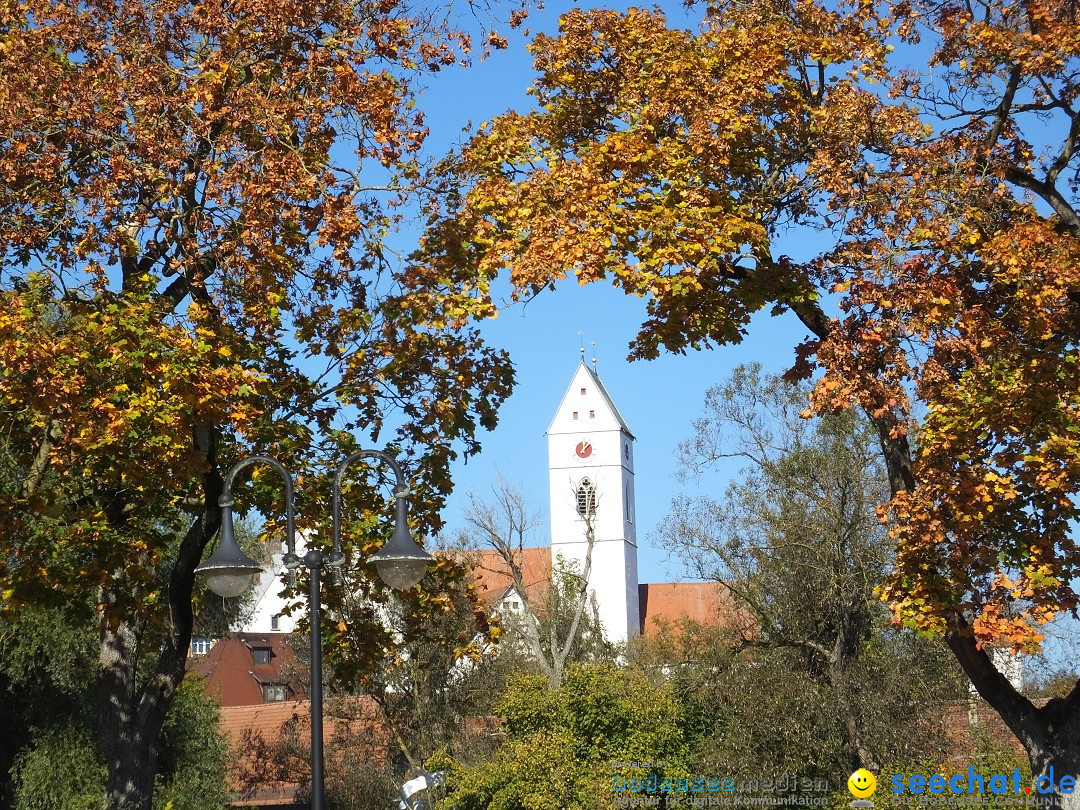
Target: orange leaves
[660,155]
[672,162]
[996,449]
[976,325]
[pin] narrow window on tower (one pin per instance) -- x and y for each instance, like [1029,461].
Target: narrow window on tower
[586,497]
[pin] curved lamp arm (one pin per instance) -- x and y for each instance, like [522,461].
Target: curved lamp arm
[401,562]
[226,499]
[229,570]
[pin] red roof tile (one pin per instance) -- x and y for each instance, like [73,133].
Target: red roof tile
[275,770]
[493,579]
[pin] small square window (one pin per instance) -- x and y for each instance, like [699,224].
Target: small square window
[575,414]
[592,414]
[261,655]
[583,392]
[200,646]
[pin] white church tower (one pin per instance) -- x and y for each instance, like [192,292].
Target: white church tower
[591,476]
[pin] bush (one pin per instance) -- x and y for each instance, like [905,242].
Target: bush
[59,769]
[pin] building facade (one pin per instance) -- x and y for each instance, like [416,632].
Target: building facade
[591,490]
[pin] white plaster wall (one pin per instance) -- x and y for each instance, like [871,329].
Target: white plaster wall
[268,601]
[609,466]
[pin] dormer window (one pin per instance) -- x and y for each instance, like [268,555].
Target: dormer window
[260,655]
[275,692]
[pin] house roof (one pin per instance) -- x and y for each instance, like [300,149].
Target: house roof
[492,575]
[255,734]
[665,603]
[231,675]
[266,718]
[668,603]
[242,725]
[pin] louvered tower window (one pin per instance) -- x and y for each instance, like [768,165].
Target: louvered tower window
[586,497]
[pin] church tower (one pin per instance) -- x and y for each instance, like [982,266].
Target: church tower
[591,478]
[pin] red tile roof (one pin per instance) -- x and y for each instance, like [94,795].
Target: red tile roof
[667,603]
[706,603]
[231,675]
[271,743]
[253,731]
[493,579]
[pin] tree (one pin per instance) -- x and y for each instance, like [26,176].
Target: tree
[931,149]
[796,542]
[52,759]
[565,745]
[418,684]
[194,265]
[389,715]
[564,626]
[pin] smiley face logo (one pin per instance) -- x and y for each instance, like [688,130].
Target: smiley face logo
[862,784]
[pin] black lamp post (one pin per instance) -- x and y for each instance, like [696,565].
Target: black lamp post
[401,563]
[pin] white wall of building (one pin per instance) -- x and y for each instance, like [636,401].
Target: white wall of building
[266,612]
[588,440]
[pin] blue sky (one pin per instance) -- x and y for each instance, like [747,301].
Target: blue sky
[658,399]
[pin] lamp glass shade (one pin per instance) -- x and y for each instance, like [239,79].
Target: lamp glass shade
[401,562]
[227,582]
[229,571]
[401,574]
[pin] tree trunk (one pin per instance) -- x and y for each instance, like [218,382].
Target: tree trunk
[130,718]
[1060,758]
[1055,753]
[116,669]
[129,746]
[1050,734]
[130,714]
[854,744]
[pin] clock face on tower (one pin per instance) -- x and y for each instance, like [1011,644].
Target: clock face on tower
[583,450]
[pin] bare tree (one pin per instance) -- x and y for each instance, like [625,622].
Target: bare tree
[797,542]
[565,625]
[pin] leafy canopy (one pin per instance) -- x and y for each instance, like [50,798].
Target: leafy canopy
[927,155]
[195,211]
[564,745]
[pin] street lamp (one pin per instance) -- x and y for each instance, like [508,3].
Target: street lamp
[400,563]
